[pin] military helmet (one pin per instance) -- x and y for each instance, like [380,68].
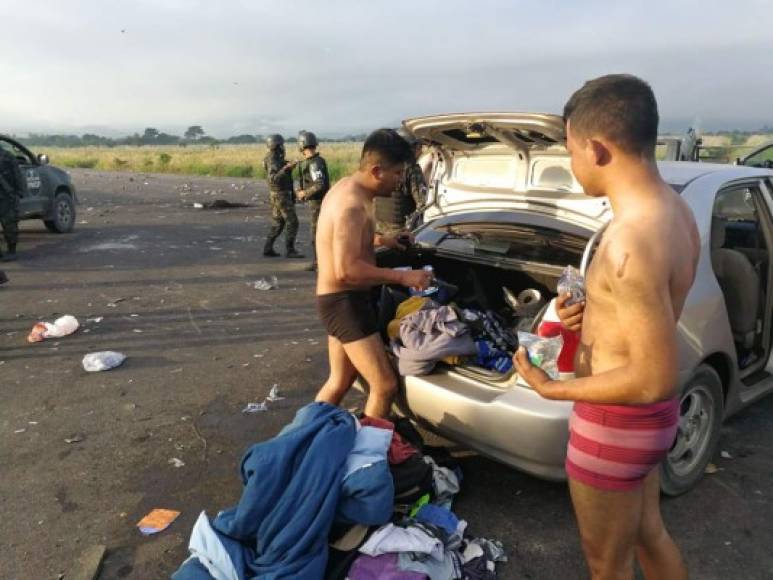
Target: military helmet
[307,139]
[274,141]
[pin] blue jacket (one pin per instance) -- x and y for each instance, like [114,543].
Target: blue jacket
[280,527]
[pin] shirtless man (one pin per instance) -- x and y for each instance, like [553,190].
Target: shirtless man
[347,272]
[626,392]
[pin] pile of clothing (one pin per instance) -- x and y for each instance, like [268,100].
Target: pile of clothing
[320,469]
[424,332]
[335,497]
[431,545]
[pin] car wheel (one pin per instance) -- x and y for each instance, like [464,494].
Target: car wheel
[63,213]
[701,411]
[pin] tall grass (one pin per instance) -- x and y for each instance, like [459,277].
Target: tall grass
[218,160]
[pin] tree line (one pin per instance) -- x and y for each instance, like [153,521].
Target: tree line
[194,135]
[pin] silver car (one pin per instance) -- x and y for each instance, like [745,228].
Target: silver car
[505,210]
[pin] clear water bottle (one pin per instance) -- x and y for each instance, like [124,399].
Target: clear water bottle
[429,291]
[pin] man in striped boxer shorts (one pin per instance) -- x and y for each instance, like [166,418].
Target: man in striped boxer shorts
[625,391]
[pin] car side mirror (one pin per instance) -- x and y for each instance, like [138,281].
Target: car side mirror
[43,159]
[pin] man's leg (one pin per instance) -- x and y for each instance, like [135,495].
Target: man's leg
[369,358]
[11,233]
[277,225]
[316,207]
[288,211]
[655,549]
[342,373]
[609,524]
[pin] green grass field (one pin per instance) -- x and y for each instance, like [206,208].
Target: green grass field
[247,160]
[217,160]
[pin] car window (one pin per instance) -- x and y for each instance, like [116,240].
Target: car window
[15,151]
[762,158]
[735,205]
[736,209]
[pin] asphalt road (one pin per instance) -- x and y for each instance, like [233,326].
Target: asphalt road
[172,285]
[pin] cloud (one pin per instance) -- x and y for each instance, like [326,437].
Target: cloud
[339,66]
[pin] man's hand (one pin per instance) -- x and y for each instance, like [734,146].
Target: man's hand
[290,164]
[419,279]
[300,194]
[570,316]
[535,377]
[399,241]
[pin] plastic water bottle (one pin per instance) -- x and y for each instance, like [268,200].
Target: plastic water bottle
[430,290]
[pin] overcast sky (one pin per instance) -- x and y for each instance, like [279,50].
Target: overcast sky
[334,66]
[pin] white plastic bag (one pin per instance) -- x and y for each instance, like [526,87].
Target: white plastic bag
[543,352]
[102,361]
[572,282]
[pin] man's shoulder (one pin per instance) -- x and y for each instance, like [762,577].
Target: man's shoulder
[317,163]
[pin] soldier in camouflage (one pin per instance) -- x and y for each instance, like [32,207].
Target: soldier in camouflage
[392,212]
[280,185]
[10,188]
[314,183]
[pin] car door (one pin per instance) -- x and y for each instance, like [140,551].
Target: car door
[768,203]
[31,200]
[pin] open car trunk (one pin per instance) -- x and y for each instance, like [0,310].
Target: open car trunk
[480,287]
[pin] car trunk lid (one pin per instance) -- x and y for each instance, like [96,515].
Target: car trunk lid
[504,161]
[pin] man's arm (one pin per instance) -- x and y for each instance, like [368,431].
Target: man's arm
[276,170]
[639,282]
[349,265]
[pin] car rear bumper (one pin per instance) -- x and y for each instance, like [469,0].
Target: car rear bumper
[510,423]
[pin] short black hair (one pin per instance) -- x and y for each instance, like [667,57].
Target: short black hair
[620,107]
[386,147]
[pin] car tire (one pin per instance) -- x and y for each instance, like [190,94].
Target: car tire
[701,410]
[63,213]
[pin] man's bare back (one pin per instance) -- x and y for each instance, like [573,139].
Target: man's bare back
[346,206]
[655,241]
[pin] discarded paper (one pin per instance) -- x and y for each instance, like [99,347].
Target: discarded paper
[273,394]
[157,521]
[255,407]
[269,283]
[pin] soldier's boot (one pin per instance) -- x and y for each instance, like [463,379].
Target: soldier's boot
[268,249]
[11,255]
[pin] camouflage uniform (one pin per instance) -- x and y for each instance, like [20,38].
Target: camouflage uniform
[11,181]
[282,200]
[315,182]
[391,213]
